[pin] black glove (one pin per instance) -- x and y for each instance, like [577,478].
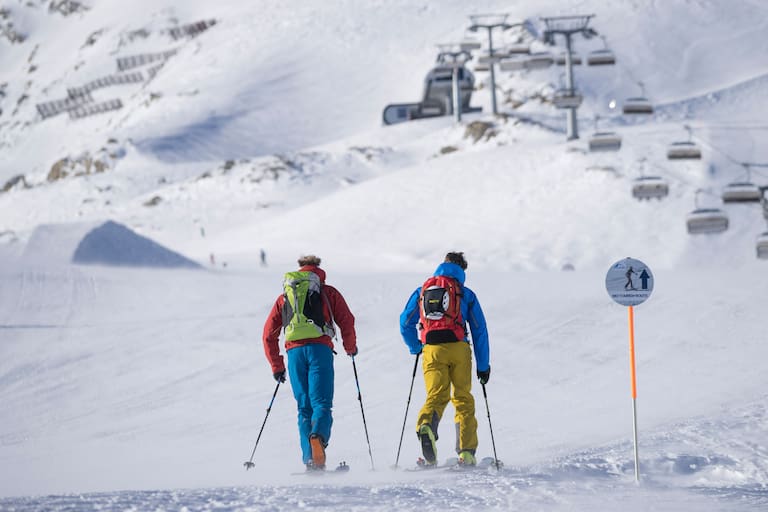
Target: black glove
[279,376]
[353,353]
[484,376]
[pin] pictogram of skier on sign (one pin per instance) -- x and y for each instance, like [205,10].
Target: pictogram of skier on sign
[630,285]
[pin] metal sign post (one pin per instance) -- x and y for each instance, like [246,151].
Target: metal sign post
[629,282]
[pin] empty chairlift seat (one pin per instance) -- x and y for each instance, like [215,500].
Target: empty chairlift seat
[706,221]
[539,60]
[567,98]
[605,141]
[762,246]
[741,192]
[650,187]
[518,49]
[513,64]
[602,57]
[469,44]
[575,59]
[637,105]
[764,201]
[684,150]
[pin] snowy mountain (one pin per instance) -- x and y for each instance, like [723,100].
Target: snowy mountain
[230,127]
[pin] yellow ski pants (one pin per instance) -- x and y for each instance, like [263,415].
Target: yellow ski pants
[446,365]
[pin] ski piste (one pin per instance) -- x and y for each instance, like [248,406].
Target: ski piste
[452,464]
[341,469]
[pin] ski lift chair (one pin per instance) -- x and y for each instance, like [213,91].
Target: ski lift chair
[683,150]
[487,59]
[741,192]
[761,246]
[764,201]
[514,64]
[567,98]
[650,187]
[575,59]
[604,57]
[539,60]
[605,141]
[638,105]
[707,221]
[469,44]
[518,49]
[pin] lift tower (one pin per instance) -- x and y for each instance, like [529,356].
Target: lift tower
[490,22]
[568,26]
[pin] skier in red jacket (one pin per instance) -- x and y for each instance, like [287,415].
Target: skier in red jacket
[310,357]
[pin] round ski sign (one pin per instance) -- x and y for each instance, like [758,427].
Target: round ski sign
[629,282]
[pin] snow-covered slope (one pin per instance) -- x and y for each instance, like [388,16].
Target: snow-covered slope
[263,132]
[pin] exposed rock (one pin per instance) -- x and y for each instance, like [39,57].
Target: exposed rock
[14,182]
[59,170]
[86,164]
[448,149]
[91,39]
[477,130]
[82,166]
[154,201]
[67,7]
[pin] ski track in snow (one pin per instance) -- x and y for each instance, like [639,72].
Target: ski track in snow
[685,467]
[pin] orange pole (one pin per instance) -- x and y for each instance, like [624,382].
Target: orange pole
[634,387]
[632,350]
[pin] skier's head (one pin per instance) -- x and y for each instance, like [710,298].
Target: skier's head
[309,260]
[457,258]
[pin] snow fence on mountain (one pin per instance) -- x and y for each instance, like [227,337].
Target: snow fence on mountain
[100,243]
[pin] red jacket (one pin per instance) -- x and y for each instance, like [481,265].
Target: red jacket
[342,316]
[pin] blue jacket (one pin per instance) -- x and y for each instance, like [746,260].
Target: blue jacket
[471,312]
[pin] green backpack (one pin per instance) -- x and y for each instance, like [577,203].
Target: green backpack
[303,316]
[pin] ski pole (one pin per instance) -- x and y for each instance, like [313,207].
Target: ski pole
[493,443]
[248,465]
[407,405]
[365,425]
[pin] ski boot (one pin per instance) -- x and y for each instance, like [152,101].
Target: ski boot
[318,451]
[428,446]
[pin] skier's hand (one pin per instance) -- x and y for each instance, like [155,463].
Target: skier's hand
[415,351]
[485,376]
[353,353]
[279,376]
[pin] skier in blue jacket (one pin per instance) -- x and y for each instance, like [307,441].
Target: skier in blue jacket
[447,363]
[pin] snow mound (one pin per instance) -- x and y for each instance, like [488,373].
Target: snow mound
[103,243]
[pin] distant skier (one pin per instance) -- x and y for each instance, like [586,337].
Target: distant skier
[441,308]
[263,257]
[629,284]
[309,349]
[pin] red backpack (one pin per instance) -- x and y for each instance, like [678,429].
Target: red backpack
[440,311]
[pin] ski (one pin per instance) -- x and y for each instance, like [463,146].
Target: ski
[341,469]
[483,465]
[452,464]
